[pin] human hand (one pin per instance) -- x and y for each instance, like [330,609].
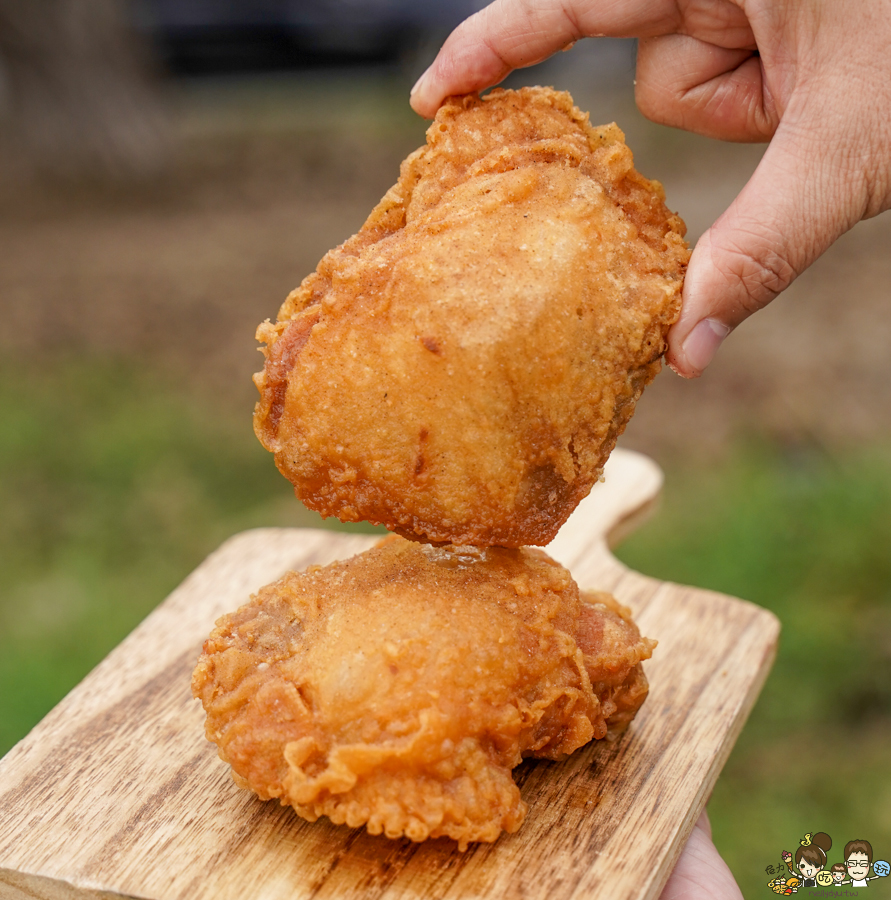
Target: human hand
[700,873]
[811,77]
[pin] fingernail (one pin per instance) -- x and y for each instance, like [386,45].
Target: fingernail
[419,83]
[703,341]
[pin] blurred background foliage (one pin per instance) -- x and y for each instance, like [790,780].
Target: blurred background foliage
[145,230]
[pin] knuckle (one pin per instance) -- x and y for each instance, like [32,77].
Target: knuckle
[649,89]
[654,101]
[761,275]
[876,176]
[645,98]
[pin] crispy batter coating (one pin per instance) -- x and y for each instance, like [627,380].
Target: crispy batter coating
[398,689]
[460,369]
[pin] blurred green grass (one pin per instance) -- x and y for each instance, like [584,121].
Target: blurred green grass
[116,480]
[807,534]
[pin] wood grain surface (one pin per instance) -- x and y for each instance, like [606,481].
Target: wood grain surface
[116,791]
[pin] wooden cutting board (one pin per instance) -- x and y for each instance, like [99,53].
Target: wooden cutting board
[117,792]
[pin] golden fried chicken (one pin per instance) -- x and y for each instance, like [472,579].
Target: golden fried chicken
[398,689]
[460,369]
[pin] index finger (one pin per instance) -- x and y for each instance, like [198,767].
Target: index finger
[512,34]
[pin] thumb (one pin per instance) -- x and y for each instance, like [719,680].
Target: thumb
[701,873]
[800,199]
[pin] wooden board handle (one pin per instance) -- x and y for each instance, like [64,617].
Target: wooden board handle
[628,494]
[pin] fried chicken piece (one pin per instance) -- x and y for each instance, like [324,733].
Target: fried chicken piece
[460,369]
[398,689]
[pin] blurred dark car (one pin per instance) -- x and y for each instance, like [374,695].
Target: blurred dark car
[216,36]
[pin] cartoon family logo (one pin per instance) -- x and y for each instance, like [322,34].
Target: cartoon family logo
[809,867]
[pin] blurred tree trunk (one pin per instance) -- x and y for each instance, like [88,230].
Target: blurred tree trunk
[80,99]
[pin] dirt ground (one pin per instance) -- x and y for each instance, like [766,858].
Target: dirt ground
[269,174]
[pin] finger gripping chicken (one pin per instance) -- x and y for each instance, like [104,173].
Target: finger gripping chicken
[398,689]
[461,368]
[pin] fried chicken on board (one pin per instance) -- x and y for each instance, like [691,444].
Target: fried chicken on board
[461,368]
[459,371]
[397,689]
